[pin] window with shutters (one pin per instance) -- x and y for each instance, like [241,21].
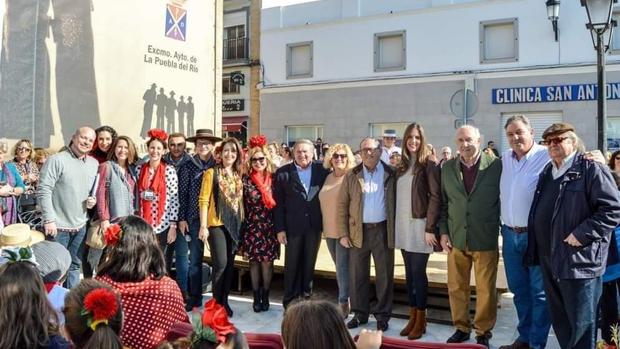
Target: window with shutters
[499,41]
[390,51]
[299,60]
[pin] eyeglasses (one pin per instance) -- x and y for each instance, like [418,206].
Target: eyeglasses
[255,160]
[23,149]
[201,144]
[554,141]
[369,150]
[339,156]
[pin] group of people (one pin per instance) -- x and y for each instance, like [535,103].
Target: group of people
[556,208]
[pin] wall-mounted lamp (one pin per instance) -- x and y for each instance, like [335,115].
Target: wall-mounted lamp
[553,13]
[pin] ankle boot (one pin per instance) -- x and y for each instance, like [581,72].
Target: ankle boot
[409,326]
[256,305]
[419,328]
[265,300]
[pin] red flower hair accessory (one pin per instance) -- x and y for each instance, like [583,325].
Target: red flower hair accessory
[258,141]
[158,133]
[112,235]
[100,305]
[214,325]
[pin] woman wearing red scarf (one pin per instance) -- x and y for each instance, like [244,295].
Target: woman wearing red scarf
[221,216]
[158,188]
[259,242]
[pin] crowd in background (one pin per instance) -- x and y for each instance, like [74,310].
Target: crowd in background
[113,224]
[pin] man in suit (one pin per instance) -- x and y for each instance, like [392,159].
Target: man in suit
[469,227]
[366,221]
[298,219]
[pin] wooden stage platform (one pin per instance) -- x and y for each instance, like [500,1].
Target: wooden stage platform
[436,270]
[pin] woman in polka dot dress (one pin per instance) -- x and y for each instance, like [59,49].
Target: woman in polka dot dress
[135,268]
[158,188]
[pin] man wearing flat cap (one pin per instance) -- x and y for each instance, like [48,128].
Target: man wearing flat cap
[575,208]
[389,147]
[190,180]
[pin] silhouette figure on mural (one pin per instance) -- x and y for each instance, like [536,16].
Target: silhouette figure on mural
[25,89]
[161,103]
[171,107]
[189,111]
[181,114]
[149,97]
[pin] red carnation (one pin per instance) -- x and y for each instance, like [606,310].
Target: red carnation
[101,303]
[258,141]
[215,316]
[158,133]
[112,235]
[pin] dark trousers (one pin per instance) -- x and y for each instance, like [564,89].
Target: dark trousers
[223,259]
[572,306]
[375,244]
[415,276]
[196,252]
[299,261]
[609,308]
[162,239]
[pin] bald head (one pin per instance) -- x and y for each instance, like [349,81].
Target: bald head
[468,142]
[83,140]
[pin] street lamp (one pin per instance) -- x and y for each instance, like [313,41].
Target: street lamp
[553,13]
[601,27]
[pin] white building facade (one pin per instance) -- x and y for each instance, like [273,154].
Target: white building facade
[346,69]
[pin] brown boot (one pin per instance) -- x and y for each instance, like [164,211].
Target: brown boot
[409,326]
[419,328]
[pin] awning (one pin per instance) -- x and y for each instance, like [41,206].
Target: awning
[233,123]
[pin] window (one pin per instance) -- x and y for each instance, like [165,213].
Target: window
[299,60]
[228,87]
[235,43]
[538,120]
[376,130]
[390,51]
[499,41]
[615,39]
[311,132]
[613,133]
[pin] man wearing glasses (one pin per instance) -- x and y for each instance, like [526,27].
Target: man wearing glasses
[366,223]
[389,147]
[190,174]
[177,155]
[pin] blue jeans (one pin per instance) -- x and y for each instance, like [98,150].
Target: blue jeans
[181,261]
[196,253]
[527,285]
[72,241]
[572,304]
[340,256]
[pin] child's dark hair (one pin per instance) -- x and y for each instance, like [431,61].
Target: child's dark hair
[105,335]
[27,319]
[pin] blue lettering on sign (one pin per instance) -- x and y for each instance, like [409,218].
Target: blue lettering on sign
[544,94]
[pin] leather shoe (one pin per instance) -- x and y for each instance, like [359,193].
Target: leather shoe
[517,344]
[458,337]
[382,325]
[483,340]
[355,322]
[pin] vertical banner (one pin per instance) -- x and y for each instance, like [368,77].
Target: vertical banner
[131,65]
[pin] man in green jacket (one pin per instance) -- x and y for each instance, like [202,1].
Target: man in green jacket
[469,226]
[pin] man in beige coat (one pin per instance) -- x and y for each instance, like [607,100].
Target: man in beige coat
[366,223]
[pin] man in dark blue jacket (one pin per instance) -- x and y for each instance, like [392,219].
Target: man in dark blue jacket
[298,219]
[575,208]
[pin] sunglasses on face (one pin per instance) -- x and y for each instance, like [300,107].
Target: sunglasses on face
[255,160]
[23,149]
[554,141]
[339,156]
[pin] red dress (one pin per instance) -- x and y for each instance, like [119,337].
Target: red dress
[259,240]
[150,307]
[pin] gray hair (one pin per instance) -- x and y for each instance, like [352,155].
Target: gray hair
[369,138]
[474,129]
[303,141]
[516,118]
[577,142]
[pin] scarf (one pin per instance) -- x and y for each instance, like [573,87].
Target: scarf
[263,183]
[158,186]
[229,202]
[10,216]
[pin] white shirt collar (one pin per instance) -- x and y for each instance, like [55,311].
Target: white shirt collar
[566,164]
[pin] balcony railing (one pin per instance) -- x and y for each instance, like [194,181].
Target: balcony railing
[235,49]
